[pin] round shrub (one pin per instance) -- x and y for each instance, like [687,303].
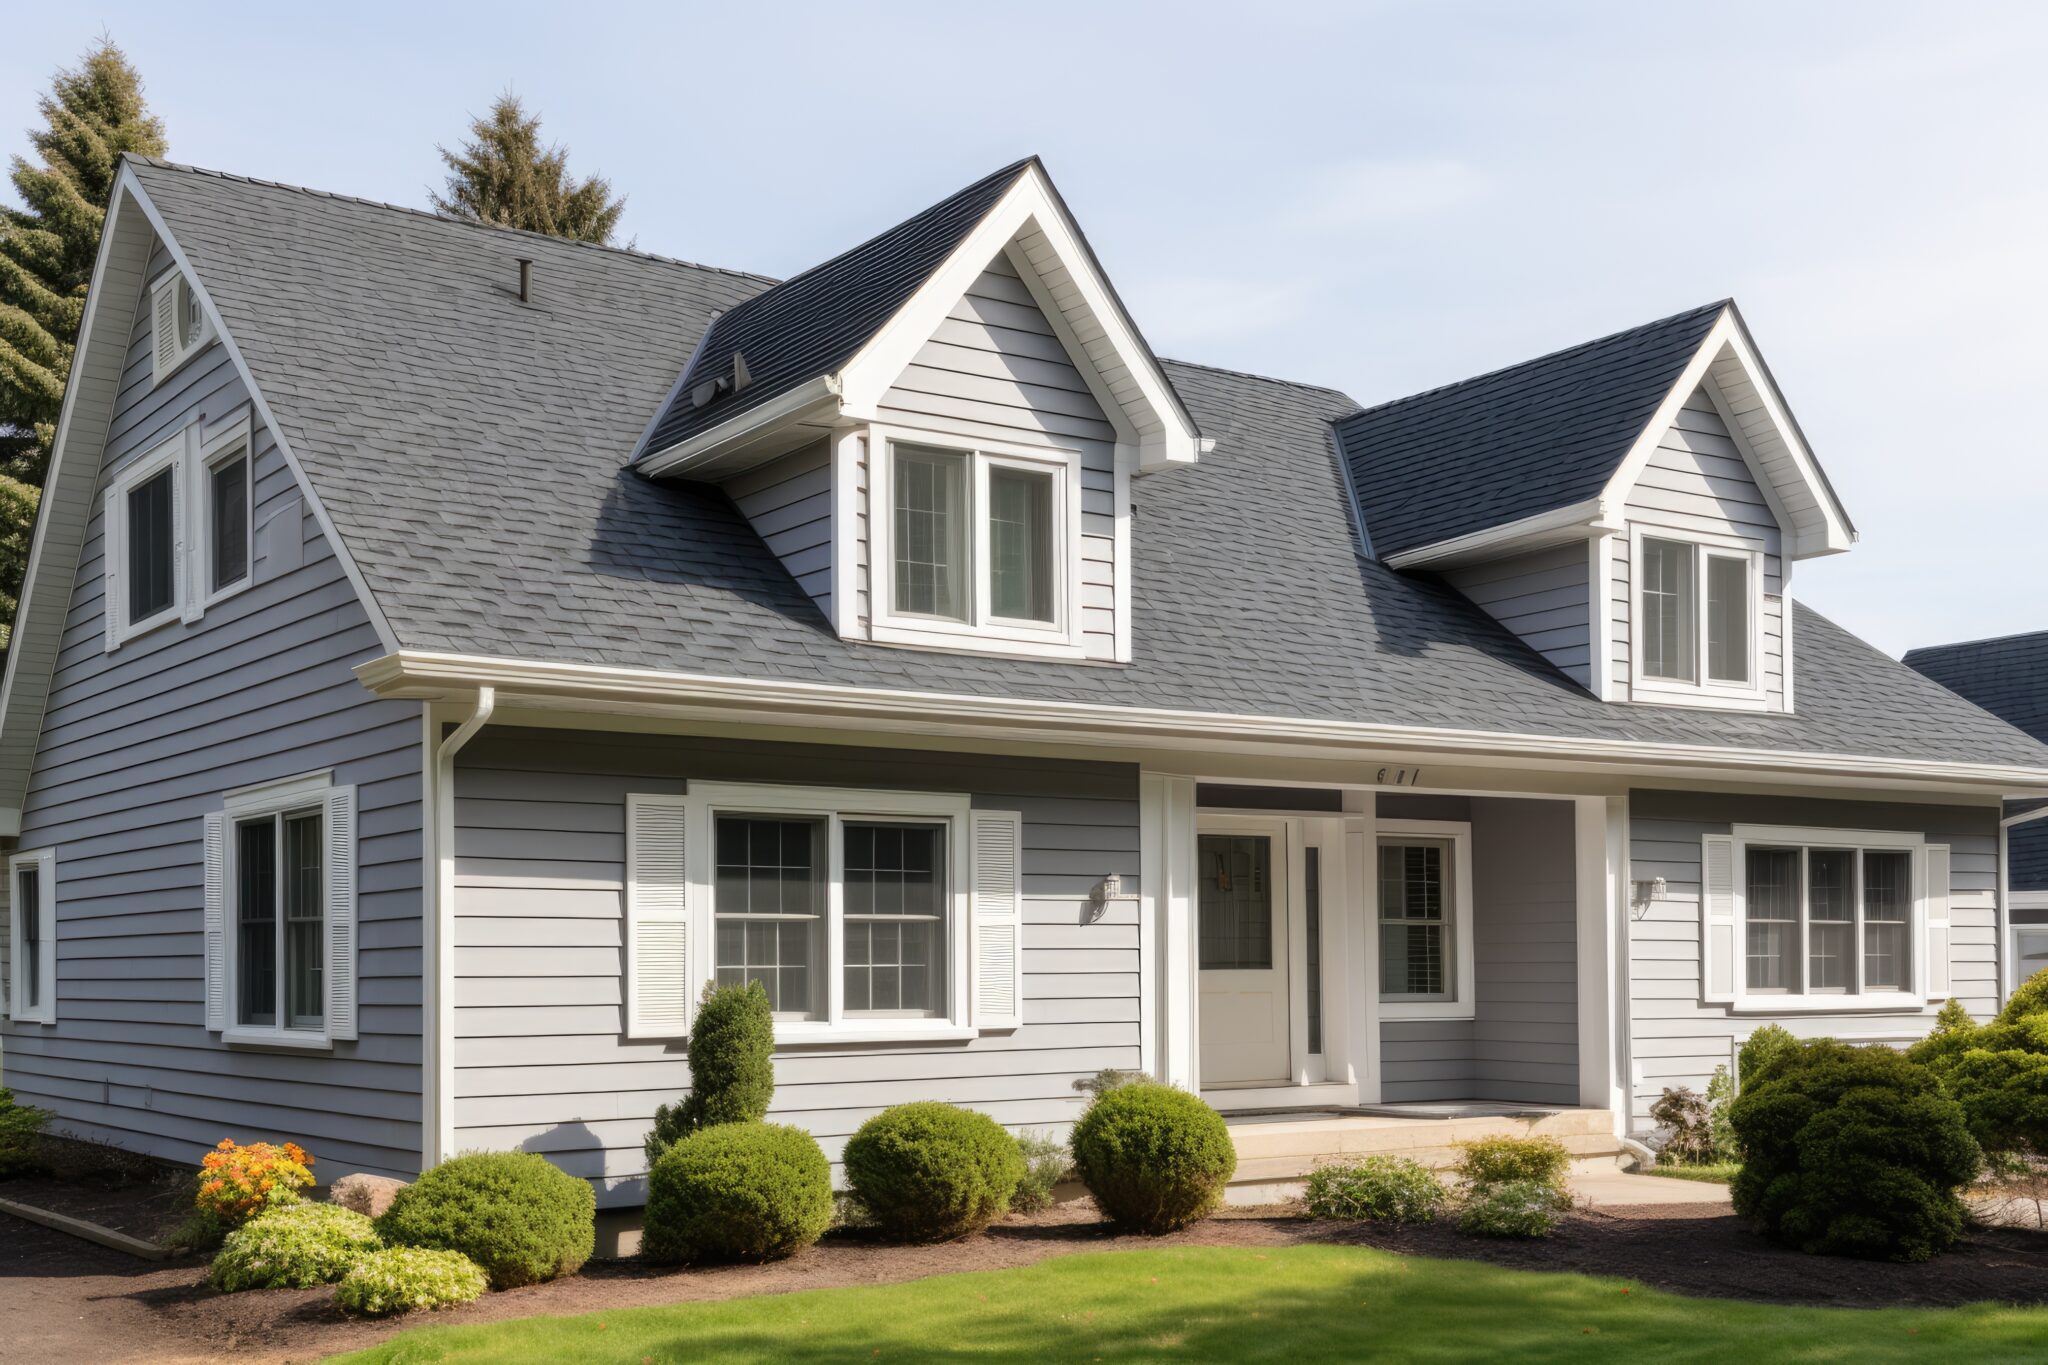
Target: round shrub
[1496,1161]
[1154,1157]
[409,1280]
[513,1213]
[1390,1189]
[737,1192]
[1852,1151]
[1510,1208]
[929,1172]
[292,1247]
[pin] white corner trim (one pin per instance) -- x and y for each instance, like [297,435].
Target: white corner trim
[1600,610]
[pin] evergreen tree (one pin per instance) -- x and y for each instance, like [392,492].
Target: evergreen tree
[503,175]
[93,114]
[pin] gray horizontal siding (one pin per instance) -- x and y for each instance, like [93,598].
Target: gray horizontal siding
[1676,1039]
[541,1060]
[136,747]
[789,503]
[1544,597]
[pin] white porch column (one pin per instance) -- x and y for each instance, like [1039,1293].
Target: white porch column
[1166,943]
[1602,829]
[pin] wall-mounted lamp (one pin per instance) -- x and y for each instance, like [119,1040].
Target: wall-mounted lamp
[1651,890]
[1110,888]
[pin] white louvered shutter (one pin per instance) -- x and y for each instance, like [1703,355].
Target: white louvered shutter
[164,328]
[111,550]
[1939,921]
[216,921]
[996,919]
[341,913]
[1719,955]
[661,972]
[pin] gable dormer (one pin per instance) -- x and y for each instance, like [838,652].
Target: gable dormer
[938,430]
[1630,508]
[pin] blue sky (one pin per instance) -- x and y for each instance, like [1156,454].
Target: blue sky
[1376,197]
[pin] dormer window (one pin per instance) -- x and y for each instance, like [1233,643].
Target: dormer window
[976,541]
[1697,611]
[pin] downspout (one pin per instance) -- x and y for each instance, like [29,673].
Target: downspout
[437,1079]
[2005,825]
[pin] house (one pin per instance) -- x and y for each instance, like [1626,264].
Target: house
[2009,678]
[447,649]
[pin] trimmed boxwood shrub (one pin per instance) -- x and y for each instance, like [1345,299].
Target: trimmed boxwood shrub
[292,1247]
[409,1280]
[1852,1151]
[513,1213]
[929,1172]
[1508,1160]
[737,1192]
[732,1067]
[1154,1157]
[1510,1208]
[1761,1051]
[1391,1189]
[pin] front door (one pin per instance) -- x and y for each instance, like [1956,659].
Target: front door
[1242,953]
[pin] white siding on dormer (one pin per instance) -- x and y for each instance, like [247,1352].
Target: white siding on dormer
[1697,481]
[1542,597]
[789,502]
[995,370]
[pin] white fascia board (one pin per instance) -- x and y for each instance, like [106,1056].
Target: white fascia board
[596,687]
[704,449]
[1029,202]
[1555,527]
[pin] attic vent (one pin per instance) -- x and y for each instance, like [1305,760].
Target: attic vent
[711,390]
[525,278]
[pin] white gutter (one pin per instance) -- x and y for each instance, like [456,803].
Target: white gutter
[705,444]
[1560,524]
[437,1022]
[421,674]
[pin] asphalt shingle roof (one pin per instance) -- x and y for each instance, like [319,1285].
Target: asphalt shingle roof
[812,323]
[472,453]
[2009,678]
[1531,438]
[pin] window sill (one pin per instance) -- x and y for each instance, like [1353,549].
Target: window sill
[295,1040]
[987,639]
[876,1031]
[1425,1009]
[1890,1003]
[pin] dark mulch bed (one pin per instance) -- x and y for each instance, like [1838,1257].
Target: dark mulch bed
[136,1195]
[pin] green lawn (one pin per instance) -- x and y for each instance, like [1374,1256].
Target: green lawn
[1719,1174]
[1295,1304]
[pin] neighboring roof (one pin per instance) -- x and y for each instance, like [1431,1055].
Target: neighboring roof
[1535,437]
[2007,677]
[472,454]
[811,324]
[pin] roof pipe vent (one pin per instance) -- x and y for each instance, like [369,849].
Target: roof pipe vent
[525,279]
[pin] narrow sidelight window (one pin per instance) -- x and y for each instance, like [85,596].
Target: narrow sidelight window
[768,901]
[1415,929]
[931,533]
[28,910]
[1669,600]
[228,513]
[1312,888]
[152,547]
[1020,544]
[1727,619]
[895,935]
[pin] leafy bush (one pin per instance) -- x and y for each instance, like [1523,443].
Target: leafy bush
[2031,998]
[1998,1072]
[19,1125]
[513,1213]
[929,1172]
[1720,1095]
[409,1280]
[1691,1125]
[1154,1157]
[1510,1208]
[237,1182]
[1853,1151]
[737,1192]
[1760,1051]
[1505,1160]
[293,1247]
[1388,1188]
[1108,1079]
[1046,1163]
[732,1067]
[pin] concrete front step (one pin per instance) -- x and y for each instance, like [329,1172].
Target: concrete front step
[1363,1134]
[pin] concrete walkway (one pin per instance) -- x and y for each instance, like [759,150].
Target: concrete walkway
[1621,1188]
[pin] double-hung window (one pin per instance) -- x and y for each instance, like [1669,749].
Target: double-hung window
[1828,915]
[222,499]
[1697,610]
[177,528]
[976,541]
[32,937]
[1425,919]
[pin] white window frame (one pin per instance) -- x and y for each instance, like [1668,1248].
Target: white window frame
[44,1011]
[1914,997]
[288,797]
[1701,690]
[1059,638]
[176,280]
[170,455]
[835,807]
[223,443]
[1462,1005]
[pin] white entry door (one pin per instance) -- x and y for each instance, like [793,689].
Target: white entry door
[1241,943]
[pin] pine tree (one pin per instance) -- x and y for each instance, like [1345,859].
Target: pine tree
[93,114]
[503,175]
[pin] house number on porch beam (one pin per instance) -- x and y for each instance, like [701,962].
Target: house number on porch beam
[1400,777]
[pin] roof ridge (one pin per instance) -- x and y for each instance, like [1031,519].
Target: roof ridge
[1972,644]
[1260,378]
[1549,355]
[189,169]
